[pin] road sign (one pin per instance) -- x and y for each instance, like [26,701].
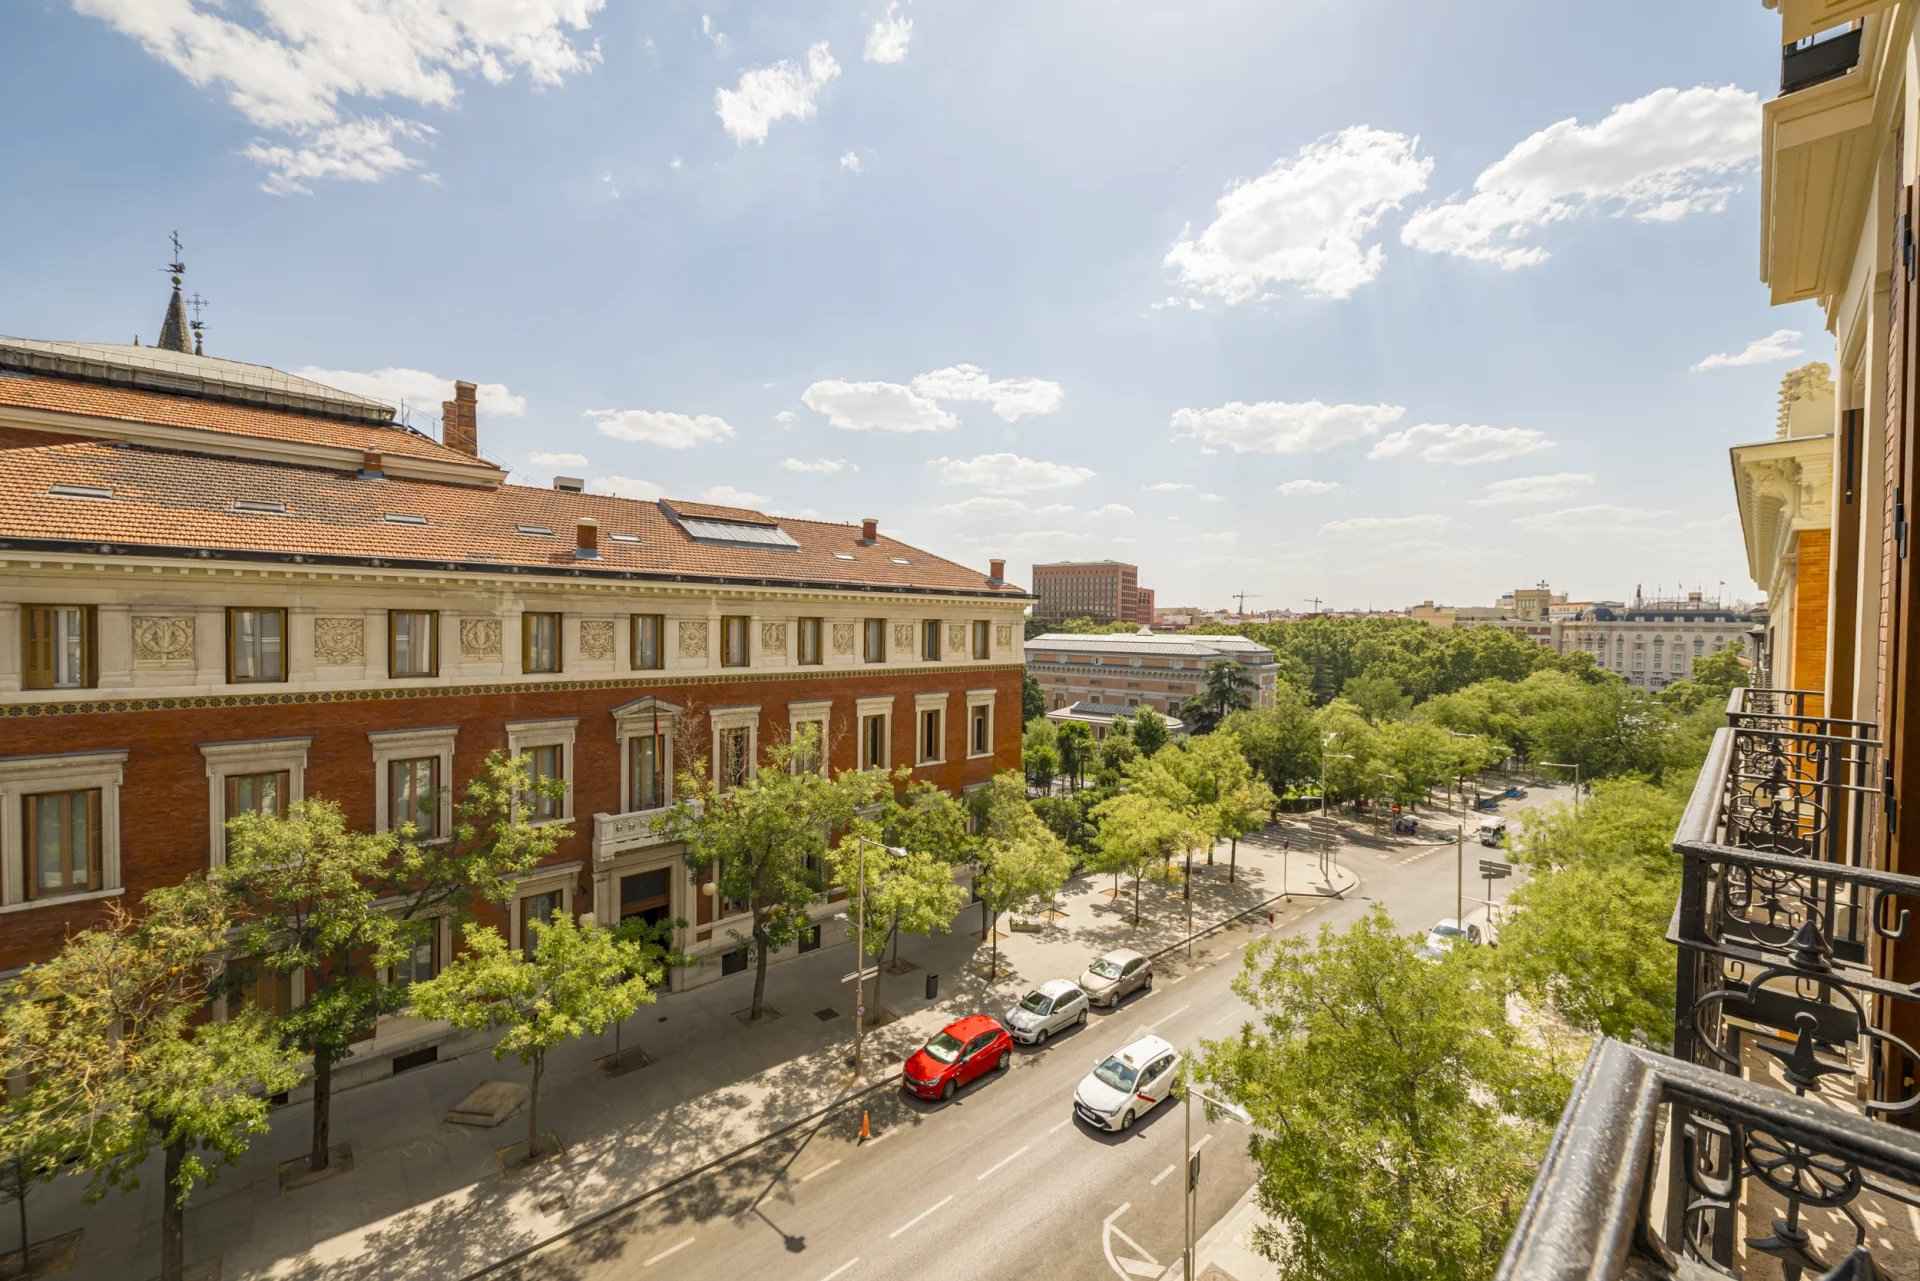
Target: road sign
[1193,1171]
[1493,869]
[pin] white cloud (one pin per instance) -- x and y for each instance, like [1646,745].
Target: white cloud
[1518,490]
[626,487]
[1595,520]
[714,35]
[1781,344]
[1010,473]
[1010,398]
[1115,511]
[1282,427]
[875,406]
[1460,444]
[289,66]
[783,91]
[887,41]
[728,496]
[676,163]
[818,466]
[1308,221]
[1659,158]
[851,162]
[1167,487]
[1306,488]
[419,391]
[544,459]
[660,427]
[1387,527]
[1213,498]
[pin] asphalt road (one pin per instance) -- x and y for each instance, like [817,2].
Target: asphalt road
[1001,1181]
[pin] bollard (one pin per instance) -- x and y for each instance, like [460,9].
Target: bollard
[1269,916]
[866,1129]
[933,987]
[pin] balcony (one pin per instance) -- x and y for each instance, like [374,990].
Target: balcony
[1763,1146]
[1820,58]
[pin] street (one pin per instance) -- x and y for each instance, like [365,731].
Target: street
[1002,1181]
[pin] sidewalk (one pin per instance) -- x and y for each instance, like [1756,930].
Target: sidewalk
[427,1199]
[1226,1251]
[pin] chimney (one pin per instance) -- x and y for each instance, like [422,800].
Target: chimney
[569,484]
[459,428]
[587,544]
[870,530]
[996,571]
[370,466]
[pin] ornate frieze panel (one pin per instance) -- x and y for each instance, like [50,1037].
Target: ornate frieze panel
[596,639]
[339,642]
[693,638]
[1002,635]
[956,640]
[162,640]
[903,637]
[480,638]
[773,638]
[843,639]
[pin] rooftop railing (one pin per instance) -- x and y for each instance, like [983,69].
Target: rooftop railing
[1819,58]
[1761,1146]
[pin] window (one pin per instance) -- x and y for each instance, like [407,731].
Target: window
[546,764]
[734,962]
[930,640]
[980,729]
[982,638]
[62,839]
[260,776]
[256,794]
[541,907]
[734,650]
[413,789]
[873,742]
[256,645]
[649,642]
[876,641]
[810,940]
[540,642]
[413,642]
[247,984]
[647,781]
[932,735]
[422,960]
[735,763]
[809,641]
[58,647]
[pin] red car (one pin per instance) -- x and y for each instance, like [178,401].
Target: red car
[969,1048]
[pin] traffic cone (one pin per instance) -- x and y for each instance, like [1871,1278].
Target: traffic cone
[866,1128]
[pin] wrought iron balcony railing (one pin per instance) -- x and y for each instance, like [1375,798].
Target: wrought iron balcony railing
[1760,1147]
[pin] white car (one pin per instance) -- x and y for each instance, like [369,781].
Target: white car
[1445,935]
[1055,1004]
[1124,1087]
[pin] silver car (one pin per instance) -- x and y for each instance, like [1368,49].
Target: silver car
[1116,975]
[1054,1005]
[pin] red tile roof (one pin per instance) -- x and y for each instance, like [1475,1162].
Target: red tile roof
[714,511]
[94,400]
[167,498]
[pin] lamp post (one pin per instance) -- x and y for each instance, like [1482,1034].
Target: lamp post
[1190,1176]
[860,971]
[1575,767]
[1326,824]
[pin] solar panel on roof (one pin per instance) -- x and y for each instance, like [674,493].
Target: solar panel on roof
[729,531]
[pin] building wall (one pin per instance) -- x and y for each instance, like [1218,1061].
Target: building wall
[1101,590]
[1809,621]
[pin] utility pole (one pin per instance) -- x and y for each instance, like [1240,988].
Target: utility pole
[1460,873]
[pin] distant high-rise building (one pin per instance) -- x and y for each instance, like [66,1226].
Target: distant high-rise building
[1107,591]
[1143,606]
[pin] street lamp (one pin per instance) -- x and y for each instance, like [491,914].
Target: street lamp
[1575,767]
[1191,1175]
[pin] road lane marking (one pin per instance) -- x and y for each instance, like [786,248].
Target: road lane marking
[1168,1015]
[1137,1262]
[1158,1178]
[881,1137]
[1204,1140]
[1063,1125]
[841,1270]
[1181,979]
[914,1221]
[996,1167]
[814,1174]
[667,1253]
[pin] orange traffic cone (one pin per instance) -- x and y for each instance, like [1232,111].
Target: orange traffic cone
[866,1129]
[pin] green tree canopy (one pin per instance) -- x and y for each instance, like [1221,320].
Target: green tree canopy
[1378,696]
[1018,858]
[1149,731]
[1033,699]
[1281,742]
[1139,833]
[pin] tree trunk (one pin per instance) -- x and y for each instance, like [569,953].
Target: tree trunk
[20,1193]
[994,972]
[322,1108]
[533,1106]
[173,1215]
[1186,882]
[759,972]
[1233,860]
[1136,896]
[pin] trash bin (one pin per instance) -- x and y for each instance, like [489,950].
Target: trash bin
[933,986]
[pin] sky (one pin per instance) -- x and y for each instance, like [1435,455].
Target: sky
[1362,301]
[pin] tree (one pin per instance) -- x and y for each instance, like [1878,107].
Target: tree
[579,979]
[909,880]
[1415,758]
[1149,731]
[1018,858]
[1243,804]
[1076,748]
[494,840]
[1139,833]
[1378,696]
[1114,753]
[108,1037]
[1227,687]
[39,1156]
[1398,1117]
[1281,742]
[305,886]
[1043,766]
[762,842]
[1349,753]
[1033,700]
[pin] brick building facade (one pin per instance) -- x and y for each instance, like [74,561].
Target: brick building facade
[1106,591]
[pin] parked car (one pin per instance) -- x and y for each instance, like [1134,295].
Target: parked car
[1054,1005]
[1115,975]
[1406,825]
[1124,1087]
[963,1051]
[1446,934]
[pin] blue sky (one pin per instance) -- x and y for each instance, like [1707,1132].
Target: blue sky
[1048,281]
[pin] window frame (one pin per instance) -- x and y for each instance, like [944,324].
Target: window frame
[409,744]
[233,631]
[432,617]
[869,652]
[93,801]
[31,677]
[865,709]
[546,879]
[978,699]
[642,718]
[529,621]
[557,732]
[25,776]
[730,720]
[732,626]
[929,640]
[660,642]
[435,785]
[817,712]
[816,628]
[925,705]
[238,757]
[982,639]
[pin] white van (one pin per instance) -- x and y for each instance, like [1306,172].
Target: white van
[1493,832]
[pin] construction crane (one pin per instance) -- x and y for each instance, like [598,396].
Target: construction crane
[1242,598]
[1315,601]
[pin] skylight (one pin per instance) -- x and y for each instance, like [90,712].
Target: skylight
[624,538]
[402,518]
[267,506]
[80,491]
[900,560]
[536,531]
[733,531]
[843,555]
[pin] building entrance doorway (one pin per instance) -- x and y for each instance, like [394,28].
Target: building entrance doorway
[646,896]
